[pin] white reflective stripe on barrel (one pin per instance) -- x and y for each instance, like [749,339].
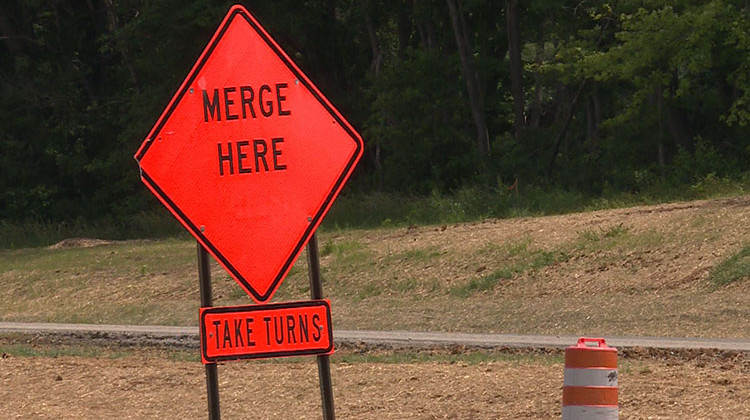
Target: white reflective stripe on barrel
[590,377]
[589,412]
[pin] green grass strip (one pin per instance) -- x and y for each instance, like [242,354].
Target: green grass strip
[733,269]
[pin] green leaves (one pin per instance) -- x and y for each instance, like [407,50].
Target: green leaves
[614,90]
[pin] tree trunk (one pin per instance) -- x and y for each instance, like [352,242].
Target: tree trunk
[593,119]
[677,122]
[375,66]
[114,28]
[658,96]
[590,123]
[9,36]
[476,98]
[536,106]
[566,124]
[377,53]
[404,26]
[424,28]
[516,75]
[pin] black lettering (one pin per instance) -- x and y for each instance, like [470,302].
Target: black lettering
[238,333]
[211,107]
[278,329]
[290,338]
[227,336]
[249,332]
[241,156]
[247,101]
[216,332]
[276,153]
[267,112]
[267,320]
[226,158]
[303,332]
[280,98]
[260,154]
[228,102]
[317,328]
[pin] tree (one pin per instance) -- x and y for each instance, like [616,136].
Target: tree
[589,95]
[688,63]
[86,79]
[469,73]
[516,66]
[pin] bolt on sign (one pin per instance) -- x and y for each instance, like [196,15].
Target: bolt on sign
[249,155]
[273,330]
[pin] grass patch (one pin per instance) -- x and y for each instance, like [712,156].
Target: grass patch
[34,233]
[733,269]
[541,259]
[345,355]
[601,234]
[495,276]
[463,205]
[521,257]
[139,257]
[24,350]
[381,209]
[88,350]
[349,254]
[617,236]
[129,281]
[518,257]
[367,291]
[648,239]
[418,255]
[404,285]
[340,248]
[518,248]
[431,356]
[480,202]
[482,283]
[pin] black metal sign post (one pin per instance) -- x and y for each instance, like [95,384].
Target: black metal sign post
[316,293]
[324,362]
[212,375]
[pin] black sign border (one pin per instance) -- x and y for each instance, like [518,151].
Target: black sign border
[264,307]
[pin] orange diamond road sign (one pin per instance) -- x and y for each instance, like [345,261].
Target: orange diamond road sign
[258,331]
[249,155]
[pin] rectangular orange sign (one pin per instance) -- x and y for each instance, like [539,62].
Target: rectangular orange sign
[261,331]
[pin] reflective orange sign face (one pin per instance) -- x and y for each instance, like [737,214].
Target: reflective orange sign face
[249,155]
[258,331]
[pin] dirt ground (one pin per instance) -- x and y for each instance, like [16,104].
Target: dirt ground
[150,385]
[639,271]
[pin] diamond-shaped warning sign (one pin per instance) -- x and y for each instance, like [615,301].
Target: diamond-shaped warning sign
[249,155]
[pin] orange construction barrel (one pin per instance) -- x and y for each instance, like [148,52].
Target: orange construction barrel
[590,381]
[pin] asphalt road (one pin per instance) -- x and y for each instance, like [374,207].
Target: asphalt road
[390,338]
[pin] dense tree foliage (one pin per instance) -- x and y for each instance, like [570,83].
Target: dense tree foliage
[586,95]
